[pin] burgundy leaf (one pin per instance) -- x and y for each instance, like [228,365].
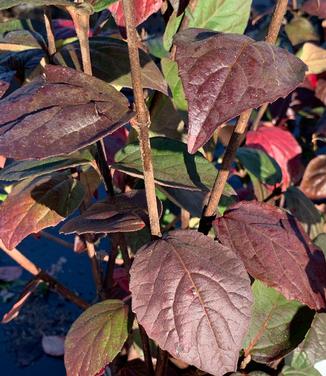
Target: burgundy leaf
[275,249]
[225,74]
[143,9]
[10,273]
[37,204]
[126,212]
[315,8]
[58,113]
[314,179]
[280,145]
[193,297]
[53,345]
[15,309]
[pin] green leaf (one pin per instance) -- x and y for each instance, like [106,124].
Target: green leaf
[171,74]
[305,211]
[21,170]
[170,30]
[96,338]
[173,165]
[314,56]
[320,242]
[260,164]
[219,15]
[310,352]
[5,4]
[99,5]
[36,204]
[277,325]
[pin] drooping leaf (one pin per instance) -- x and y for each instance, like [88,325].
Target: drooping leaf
[260,164]
[188,289]
[173,165]
[58,113]
[315,8]
[10,273]
[53,345]
[125,212]
[171,28]
[21,40]
[300,30]
[275,250]
[15,309]
[314,56]
[277,325]
[110,63]
[313,183]
[5,4]
[219,15]
[305,211]
[143,9]
[215,67]
[310,352]
[36,204]
[96,338]
[22,170]
[280,145]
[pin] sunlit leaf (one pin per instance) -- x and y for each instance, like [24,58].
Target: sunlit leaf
[96,338]
[300,30]
[277,325]
[314,56]
[215,67]
[36,204]
[275,250]
[188,289]
[58,113]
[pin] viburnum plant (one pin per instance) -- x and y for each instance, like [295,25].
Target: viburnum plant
[223,267]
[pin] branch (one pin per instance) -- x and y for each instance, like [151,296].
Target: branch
[35,270]
[49,31]
[240,129]
[142,119]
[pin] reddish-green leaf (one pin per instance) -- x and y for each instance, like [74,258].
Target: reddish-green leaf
[277,325]
[110,63]
[280,145]
[37,204]
[126,212]
[143,9]
[314,179]
[315,8]
[193,297]
[275,249]
[225,74]
[58,113]
[96,338]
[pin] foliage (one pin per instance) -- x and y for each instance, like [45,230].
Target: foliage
[240,292]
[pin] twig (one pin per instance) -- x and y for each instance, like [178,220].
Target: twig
[240,129]
[96,271]
[146,350]
[162,362]
[57,240]
[108,279]
[35,270]
[259,116]
[49,31]
[142,119]
[185,217]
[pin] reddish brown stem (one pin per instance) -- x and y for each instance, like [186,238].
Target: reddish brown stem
[147,351]
[143,119]
[238,132]
[162,362]
[49,31]
[35,270]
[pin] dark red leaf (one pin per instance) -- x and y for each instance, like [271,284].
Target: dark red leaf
[37,204]
[280,145]
[126,212]
[193,297]
[58,113]
[143,9]
[275,249]
[225,74]
[314,179]
[315,8]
